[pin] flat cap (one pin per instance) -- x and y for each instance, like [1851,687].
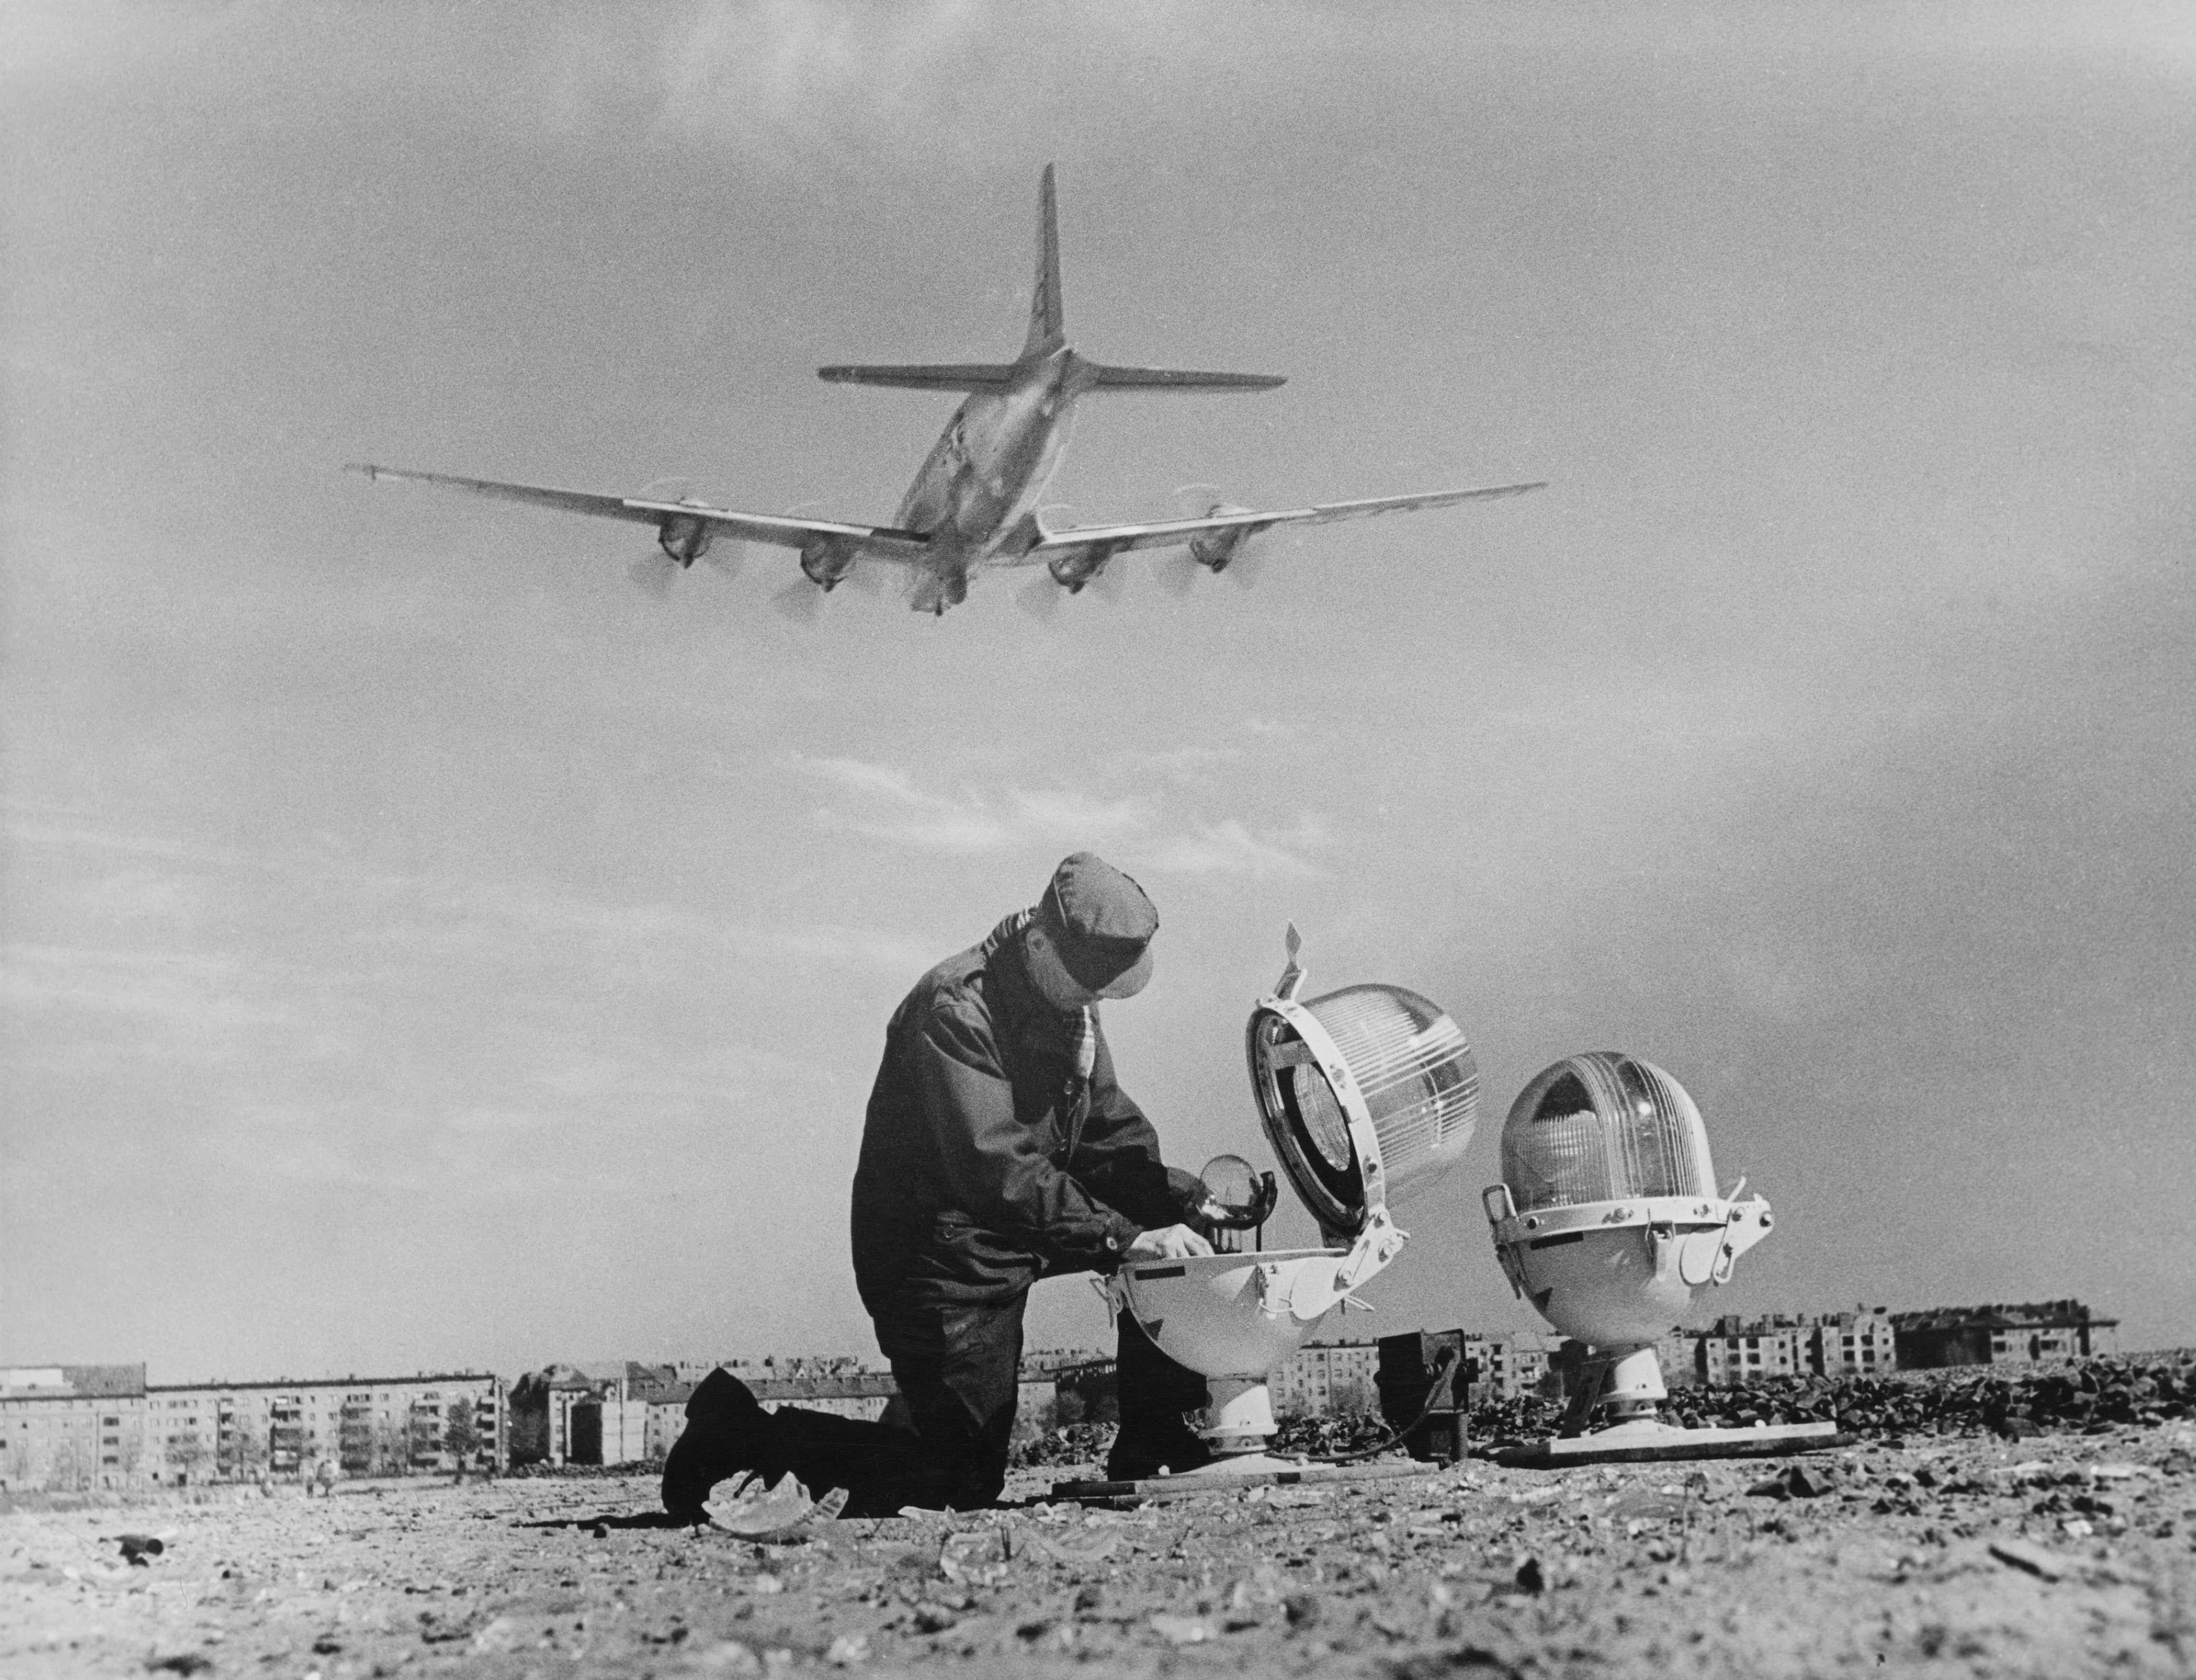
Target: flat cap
[1102,923]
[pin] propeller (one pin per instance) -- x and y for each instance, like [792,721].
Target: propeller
[656,571]
[866,577]
[653,574]
[800,601]
[1108,581]
[1040,596]
[1111,578]
[1179,569]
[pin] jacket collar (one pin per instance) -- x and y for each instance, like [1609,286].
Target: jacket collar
[1024,1016]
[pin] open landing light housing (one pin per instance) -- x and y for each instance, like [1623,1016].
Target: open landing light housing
[1367,1095]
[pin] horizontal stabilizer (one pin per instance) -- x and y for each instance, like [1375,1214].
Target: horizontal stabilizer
[1106,379]
[965,376]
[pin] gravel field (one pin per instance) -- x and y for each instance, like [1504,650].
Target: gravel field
[2049,1555]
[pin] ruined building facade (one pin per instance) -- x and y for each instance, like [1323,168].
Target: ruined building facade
[2039,1332]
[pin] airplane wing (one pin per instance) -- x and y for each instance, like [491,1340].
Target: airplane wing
[876,542]
[1103,541]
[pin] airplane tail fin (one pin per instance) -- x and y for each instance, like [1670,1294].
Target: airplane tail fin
[1048,333]
[1048,329]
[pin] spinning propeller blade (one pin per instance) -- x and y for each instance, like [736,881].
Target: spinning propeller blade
[800,601]
[1040,597]
[653,573]
[1179,569]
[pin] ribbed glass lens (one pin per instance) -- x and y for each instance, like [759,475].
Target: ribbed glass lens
[1324,1122]
[1409,1063]
[1601,1128]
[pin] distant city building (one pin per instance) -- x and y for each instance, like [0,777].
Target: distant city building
[1859,1343]
[1323,1377]
[1505,1366]
[589,1414]
[630,1413]
[2045,1332]
[436,1424]
[1745,1350]
[71,1428]
[85,1427]
[853,1393]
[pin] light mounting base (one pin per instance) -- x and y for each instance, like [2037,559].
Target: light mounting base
[1648,1441]
[1233,1475]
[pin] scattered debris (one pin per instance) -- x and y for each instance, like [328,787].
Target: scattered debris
[978,1556]
[2021,1555]
[1794,1481]
[1463,1660]
[1648,1504]
[1078,1548]
[780,1513]
[499,1635]
[1976,1548]
[1181,1630]
[729,1656]
[2092,1395]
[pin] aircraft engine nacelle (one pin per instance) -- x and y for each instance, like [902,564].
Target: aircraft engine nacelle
[684,540]
[1076,567]
[1216,549]
[827,560]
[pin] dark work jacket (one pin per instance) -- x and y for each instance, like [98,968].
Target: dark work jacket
[986,1163]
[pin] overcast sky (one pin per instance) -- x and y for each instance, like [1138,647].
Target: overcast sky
[424,947]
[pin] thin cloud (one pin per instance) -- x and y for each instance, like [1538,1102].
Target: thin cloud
[887,953]
[1230,848]
[895,810]
[1184,766]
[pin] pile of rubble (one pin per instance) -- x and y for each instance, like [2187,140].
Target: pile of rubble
[1068,1444]
[1327,1437]
[2093,1395]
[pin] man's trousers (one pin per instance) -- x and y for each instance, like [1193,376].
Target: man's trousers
[958,1370]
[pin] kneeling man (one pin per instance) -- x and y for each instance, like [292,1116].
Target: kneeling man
[998,1149]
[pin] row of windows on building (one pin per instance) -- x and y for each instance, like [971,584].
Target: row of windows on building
[83,1427]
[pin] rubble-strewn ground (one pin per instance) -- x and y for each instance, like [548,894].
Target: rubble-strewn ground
[2052,1555]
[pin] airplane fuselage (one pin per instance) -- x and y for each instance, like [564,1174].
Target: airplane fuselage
[989,469]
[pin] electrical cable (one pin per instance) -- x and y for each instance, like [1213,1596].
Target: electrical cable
[1442,1365]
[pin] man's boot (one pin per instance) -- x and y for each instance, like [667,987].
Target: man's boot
[727,1433]
[1154,1393]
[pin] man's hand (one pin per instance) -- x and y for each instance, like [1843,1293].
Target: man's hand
[1176,1241]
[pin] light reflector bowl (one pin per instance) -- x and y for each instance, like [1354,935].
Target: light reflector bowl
[1223,1314]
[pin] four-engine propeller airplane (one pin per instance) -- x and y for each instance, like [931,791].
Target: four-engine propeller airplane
[975,502]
